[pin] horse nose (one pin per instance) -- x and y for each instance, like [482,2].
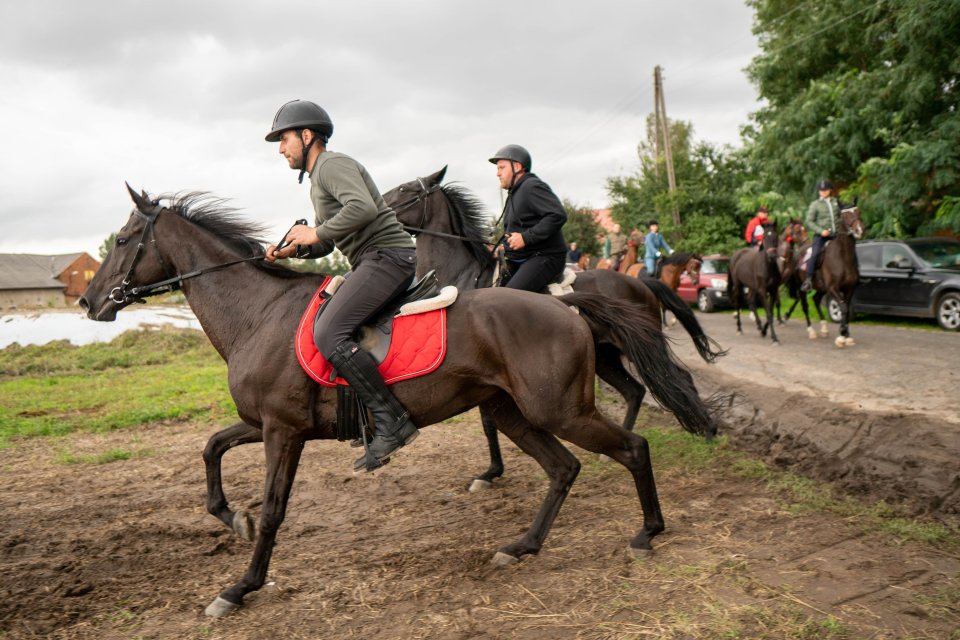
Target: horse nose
[84,305]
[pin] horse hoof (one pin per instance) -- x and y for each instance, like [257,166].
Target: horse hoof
[639,554]
[850,342]
[811,333]
[776,343]
[243,525]
[501,559]
[479,485]
[220,607]
[840,342]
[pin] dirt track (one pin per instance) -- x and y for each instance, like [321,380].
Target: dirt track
[882,417]
[126,550]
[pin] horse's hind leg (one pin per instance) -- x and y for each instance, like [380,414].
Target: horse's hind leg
[560,465]
[611,370]
[598,434]
[240,433]
[485,481]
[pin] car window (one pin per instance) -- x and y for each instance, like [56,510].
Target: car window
[938,253]
[894,256]
[712,267]
[869,256]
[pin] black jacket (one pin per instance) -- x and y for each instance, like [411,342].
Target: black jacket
[533,210]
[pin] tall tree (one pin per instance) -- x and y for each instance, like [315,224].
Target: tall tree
[582,228]
[708,180]
[865,94]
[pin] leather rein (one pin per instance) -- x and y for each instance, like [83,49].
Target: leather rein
[124,295]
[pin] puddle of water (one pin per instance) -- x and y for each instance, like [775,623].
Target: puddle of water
[41,327]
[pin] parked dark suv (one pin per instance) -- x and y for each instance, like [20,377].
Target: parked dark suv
[919,277]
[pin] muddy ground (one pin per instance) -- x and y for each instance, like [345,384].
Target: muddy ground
[126,549]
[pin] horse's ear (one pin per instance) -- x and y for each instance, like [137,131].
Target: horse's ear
[437,178]
[142,200]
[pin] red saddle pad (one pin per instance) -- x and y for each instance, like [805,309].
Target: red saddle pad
[418,346]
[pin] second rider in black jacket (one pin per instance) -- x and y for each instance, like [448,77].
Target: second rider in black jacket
[533,219]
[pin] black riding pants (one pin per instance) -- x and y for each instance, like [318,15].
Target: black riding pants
[818,242]
[377,278]
[533,274]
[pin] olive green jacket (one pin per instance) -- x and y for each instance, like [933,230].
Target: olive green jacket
[350,212]
[823,214]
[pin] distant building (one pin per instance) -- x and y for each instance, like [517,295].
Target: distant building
[28,280]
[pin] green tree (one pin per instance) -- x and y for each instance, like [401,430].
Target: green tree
[107,245]
[581,227]
[709,179]
[865,94]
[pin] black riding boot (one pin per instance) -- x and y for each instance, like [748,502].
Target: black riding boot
[392,426]
[807,283]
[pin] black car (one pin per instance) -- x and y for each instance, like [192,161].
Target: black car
[919,277]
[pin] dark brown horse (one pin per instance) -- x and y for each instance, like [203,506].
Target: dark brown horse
[453,233]
[793,242]
[530,370]
[756,270]
[839,273]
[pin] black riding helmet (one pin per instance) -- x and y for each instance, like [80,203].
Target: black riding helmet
[824,185]
[513,153]
[301,114]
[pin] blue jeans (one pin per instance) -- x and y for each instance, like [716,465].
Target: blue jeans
[651,264]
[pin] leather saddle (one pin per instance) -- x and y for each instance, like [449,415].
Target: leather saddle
[374,336]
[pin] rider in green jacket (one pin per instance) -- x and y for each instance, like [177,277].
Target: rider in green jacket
[822,225]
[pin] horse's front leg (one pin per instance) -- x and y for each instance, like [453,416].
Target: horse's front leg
[240,433]
[283,448]
[495,470]
[769,302]
[844,339]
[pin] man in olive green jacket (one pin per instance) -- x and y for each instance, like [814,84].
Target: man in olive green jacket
[822,225]
[350,215]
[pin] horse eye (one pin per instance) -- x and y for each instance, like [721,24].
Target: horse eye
[121,242]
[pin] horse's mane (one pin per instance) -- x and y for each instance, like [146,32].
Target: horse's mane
[470,220]
[212,213]
[680,258]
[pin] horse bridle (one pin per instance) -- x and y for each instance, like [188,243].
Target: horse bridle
[421,198]
[121,295]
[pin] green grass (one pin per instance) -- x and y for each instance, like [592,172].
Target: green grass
[786,301]
[140,377]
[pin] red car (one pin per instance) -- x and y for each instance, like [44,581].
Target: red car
[711,291]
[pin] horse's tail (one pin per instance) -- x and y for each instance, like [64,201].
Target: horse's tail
[638,336]
[673,303]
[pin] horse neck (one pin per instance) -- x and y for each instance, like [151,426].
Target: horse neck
[221,299]
[452,259]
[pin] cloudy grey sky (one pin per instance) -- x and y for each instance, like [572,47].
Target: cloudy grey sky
[177,95]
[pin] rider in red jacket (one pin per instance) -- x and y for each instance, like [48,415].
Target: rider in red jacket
[754,233]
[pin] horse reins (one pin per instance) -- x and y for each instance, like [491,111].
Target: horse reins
[421,198]
[121,295]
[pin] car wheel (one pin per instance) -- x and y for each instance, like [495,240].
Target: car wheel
[948,311]
[833,309]
[704,303]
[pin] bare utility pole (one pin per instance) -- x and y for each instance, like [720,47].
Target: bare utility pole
[662,137]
